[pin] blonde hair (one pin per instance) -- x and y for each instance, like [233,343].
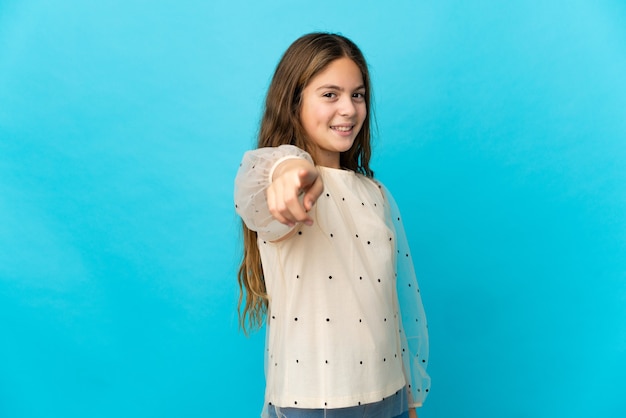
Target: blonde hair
[303,60]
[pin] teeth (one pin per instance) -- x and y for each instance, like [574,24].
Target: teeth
[342,128]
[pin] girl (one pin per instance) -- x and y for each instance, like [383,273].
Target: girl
[326,264]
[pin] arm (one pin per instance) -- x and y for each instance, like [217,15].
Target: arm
[254,180]
[413,324]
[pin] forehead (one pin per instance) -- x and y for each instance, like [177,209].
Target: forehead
[342,72]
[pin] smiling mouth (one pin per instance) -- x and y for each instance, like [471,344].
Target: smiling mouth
[342,128]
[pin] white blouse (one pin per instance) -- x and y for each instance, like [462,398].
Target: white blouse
[345,323]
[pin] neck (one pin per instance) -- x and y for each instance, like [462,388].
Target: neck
[326,158]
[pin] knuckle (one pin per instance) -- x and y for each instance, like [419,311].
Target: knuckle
[291,199]
[281,207]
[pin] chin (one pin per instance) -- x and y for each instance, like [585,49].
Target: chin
[350,146]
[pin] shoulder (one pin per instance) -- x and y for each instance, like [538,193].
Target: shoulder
[375,183]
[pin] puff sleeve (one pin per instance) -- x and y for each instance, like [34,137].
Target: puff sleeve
[413,327]
[252,180]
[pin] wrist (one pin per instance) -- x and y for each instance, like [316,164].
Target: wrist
[287,163]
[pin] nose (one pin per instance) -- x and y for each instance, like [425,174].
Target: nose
[347,107]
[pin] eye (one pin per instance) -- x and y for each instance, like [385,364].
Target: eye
[358,96]
[329,95]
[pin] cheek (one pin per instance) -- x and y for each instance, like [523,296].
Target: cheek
[320,116]
[362,112]
[311,115]
[306,117]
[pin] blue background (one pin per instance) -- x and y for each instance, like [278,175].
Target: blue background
[501,130]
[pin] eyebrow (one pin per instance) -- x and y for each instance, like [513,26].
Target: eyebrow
[333,87]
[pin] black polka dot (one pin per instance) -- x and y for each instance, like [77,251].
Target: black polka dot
[295,319]
[360,277]
[369,242]
[299,232]
[327,195]
[331,235]
[330,277]
[327,319]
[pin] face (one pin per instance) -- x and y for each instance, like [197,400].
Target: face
[333,110]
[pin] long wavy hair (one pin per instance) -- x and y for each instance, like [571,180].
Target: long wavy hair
[303,60]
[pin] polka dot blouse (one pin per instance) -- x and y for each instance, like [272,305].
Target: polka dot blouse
[337,321]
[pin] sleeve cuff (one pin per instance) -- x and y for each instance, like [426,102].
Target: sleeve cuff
[280,160]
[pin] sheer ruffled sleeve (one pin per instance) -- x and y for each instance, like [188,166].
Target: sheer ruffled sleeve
[414,328]
[253,178]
